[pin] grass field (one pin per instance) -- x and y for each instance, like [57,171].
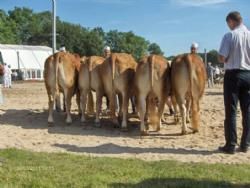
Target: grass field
[20,168]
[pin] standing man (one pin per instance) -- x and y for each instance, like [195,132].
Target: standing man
[107,51]
[235,54]
[194,48]
[9,77]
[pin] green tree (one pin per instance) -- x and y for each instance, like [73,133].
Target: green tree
[23,17]
[154,48]
[7,29]
[127,42]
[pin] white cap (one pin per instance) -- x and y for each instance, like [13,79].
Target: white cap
[62,49]
[106,48]
[195,45]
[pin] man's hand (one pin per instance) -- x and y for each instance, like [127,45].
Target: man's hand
[222,59]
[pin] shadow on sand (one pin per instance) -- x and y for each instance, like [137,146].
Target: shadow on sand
[111,148]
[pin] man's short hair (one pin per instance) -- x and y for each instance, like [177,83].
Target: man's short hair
[234,16]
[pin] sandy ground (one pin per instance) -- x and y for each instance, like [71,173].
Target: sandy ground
[23,124]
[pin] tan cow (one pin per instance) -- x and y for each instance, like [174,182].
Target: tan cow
[89,79]
[117,73]
[188,77]
[60,75]
[151,82]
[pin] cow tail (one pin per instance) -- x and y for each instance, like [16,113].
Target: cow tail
[113,59]
[190,71]
[56,58]
[151,69]
[90,101]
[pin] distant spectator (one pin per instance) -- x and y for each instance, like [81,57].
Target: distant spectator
[217,72]
[62,49]
[107,51]
[14,75]
[210,74]
[9,79]
[194,48]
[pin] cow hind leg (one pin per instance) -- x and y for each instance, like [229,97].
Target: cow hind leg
[188,106]
[111,97]
[78,103]
[142,113]
[68,96]
[160,112]
[83,101]
[58,102]
[195,116]
[51,106]
[124,111]
[90,103]
[183,110]
[176,118]
[98,108]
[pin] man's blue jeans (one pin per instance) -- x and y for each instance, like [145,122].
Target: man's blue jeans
[237,88]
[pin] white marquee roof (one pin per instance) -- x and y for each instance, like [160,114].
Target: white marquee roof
[30,57]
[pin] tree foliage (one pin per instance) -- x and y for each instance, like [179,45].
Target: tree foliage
[23,26]
[154,48]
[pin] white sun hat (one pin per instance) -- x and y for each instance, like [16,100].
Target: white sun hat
[106,48]
[195,45]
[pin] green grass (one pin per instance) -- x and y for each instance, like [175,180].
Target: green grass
[20,168]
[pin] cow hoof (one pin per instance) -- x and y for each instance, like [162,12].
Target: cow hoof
[83,120]
[97,123]
[195,131]
[116,126]
[68,121]
[158,129]
[144,133]
[183,132]
[51,124]
[116,123]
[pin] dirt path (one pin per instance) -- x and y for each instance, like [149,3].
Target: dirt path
[23,124]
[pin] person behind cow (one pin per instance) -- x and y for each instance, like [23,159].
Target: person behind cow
[106,54]
[194,48]
[106,51]
[1,74]
[9,77]
[210,74]
[234,52]
[5,75]
[62,49]
[15,75]
[216,72]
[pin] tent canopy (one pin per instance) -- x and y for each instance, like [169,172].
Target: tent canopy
[30,57]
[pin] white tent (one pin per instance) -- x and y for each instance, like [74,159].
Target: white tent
[27,59]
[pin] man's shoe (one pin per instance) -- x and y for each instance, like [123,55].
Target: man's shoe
[243,149]
[227,149]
